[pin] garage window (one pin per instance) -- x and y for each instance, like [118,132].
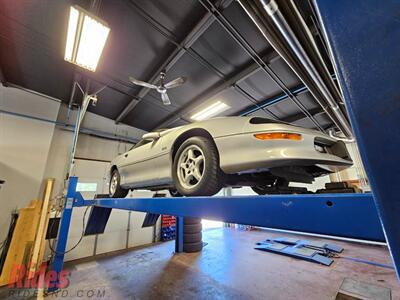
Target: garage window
[86,187]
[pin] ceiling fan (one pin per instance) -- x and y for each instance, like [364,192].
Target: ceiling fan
[162,87]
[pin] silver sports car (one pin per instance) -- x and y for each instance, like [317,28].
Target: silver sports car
[202,157]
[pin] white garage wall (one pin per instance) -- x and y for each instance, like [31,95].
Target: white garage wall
[89,147]
[88,172]
[24,146]
[93,155]
[33,147]
[123,229]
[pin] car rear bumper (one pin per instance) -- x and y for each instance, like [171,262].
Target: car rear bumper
[244,153]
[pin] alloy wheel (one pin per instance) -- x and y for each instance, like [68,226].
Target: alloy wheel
[114,183]
[191,164]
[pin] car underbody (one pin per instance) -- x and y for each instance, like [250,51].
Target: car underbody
[274,180]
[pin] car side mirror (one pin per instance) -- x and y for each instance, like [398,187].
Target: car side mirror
[151,136]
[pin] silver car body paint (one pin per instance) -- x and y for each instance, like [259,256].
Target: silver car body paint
[150,165]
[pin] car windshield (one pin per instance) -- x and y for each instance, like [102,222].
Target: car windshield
[144,142]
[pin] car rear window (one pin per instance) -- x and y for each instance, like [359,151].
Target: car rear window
[259,120]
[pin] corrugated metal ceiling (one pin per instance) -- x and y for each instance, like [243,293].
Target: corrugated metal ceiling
[143,34]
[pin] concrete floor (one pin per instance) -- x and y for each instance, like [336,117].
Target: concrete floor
[228,268]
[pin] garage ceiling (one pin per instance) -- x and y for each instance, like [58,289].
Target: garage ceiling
[145,35]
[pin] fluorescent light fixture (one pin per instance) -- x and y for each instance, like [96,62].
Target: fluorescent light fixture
[210,111]
[86,38]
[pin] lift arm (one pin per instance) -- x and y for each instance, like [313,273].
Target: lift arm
[345,215]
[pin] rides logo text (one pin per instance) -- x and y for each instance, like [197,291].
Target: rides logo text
[25,276]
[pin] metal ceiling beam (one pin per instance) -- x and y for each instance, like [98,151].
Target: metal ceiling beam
[283,27]
[273,100]
[299,116]
[248,96]
[241,41]
[221,86]
[298,90]
[174,56]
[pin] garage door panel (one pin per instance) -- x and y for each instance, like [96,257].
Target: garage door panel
[84,249]
[111,241]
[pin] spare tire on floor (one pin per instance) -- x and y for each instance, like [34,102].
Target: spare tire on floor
[192,247]
[192,228]
[192,237]
[190,220]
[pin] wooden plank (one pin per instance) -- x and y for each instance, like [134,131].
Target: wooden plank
[40,239]
[22,239]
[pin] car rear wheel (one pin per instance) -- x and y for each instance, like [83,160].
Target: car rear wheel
[196,169]
[115,189]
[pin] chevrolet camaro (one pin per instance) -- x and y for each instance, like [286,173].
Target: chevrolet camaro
[202,157]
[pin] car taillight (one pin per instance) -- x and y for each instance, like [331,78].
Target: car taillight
[278,136]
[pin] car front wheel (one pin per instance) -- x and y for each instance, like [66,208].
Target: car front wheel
[196,169]
[115,189]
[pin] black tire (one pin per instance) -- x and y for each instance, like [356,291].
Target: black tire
[192,247]
[212,178]
[119,191]
[192,237]
[194,228]
[191,221]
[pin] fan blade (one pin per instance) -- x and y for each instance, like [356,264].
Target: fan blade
[165,99]
[142,83]
[176,82]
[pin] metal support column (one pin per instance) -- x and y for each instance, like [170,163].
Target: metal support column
[62,236]
[179,235]
[363,38]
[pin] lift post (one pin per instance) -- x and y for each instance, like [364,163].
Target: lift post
[62,236]
[363,38]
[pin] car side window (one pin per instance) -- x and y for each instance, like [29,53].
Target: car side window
[141,143]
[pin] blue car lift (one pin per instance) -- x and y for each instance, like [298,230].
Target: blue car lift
[363,37]
[346,215]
